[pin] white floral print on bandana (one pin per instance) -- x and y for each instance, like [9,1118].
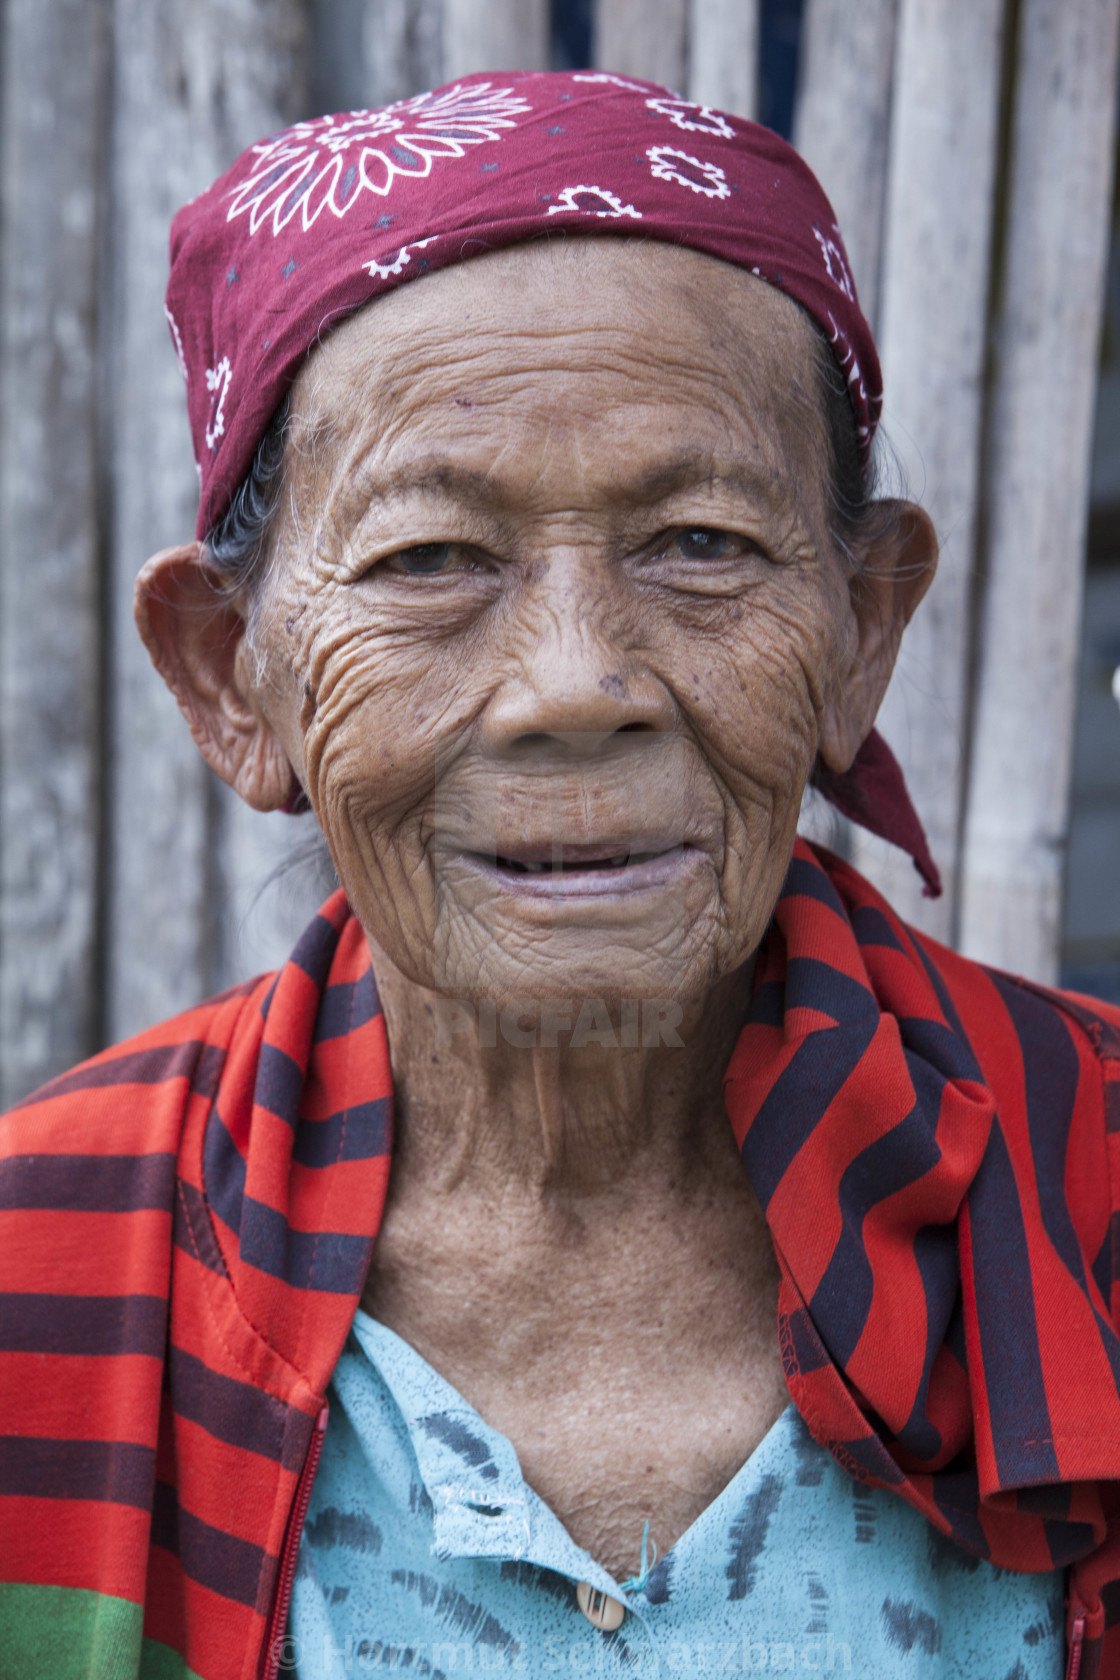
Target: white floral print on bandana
[696,119]
[593,201]
[331,162]
[177,340]
[667,164]
[834,261]
[381,268]
[217,381]
[853,373]
[608,77]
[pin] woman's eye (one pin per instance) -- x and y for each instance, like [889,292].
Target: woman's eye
[703,544]
[424,560]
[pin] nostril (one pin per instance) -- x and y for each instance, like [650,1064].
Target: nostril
[573,743]
[536,741]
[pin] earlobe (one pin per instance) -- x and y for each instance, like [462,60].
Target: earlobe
[194,633]
[896,567]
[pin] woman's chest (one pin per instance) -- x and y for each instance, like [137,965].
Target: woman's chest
[626,1396]
[423,1532]
[613,1442]
[633,1375]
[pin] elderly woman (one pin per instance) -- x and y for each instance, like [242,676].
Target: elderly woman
[549,584]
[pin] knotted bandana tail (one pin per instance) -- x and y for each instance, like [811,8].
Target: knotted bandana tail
[873,793]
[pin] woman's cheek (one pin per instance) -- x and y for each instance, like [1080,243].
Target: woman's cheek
[372,751]
[762,715]
[761,747]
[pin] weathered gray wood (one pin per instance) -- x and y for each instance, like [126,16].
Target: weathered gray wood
[723,55]
[402,48]
[52,109]
[842,122]
[275,873]
[644,38]
[494,35]
[194,83]
[341,33]
[932,340]
[1036,493]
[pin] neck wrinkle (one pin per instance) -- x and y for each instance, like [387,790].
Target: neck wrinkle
[557,1124]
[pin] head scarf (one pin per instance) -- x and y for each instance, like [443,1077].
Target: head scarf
[309,225]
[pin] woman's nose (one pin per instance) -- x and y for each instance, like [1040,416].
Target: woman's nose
[577,672]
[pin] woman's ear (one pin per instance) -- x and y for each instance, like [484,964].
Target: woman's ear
[195,635]
[896,566]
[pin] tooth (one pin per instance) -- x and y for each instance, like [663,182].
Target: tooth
[535,868]
[617,862]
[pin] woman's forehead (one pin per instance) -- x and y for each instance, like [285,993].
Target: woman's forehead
[650,357]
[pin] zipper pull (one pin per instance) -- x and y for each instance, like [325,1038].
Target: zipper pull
[1076,1646]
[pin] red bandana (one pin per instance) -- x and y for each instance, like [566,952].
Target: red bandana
[311,224]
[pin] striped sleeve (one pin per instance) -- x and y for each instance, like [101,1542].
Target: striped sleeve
[87,1211]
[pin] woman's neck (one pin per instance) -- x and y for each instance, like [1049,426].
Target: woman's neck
[572,1241]
[559,1100]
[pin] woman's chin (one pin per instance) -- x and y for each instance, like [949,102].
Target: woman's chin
[614,996]
[643,929]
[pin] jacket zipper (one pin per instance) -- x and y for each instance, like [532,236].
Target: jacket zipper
[1076,1646]
[277,1621]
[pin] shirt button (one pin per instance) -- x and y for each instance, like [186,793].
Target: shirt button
[601,1611]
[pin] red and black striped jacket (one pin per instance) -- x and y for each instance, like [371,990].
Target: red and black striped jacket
[187,1220]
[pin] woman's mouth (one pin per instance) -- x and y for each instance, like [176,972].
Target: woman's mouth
[584,871]
[569,866]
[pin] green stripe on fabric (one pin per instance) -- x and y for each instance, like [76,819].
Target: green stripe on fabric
[67,1633]
[160,1662]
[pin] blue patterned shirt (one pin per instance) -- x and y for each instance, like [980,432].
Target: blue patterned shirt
[425,1552]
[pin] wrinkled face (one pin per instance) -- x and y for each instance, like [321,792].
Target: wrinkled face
[555,617]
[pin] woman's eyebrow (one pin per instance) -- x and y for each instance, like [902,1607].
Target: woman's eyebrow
[434,475]
[695,471]
[657,483]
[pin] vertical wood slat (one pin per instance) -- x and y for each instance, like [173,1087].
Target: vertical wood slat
[341,36]
[643,38]
[723,55]
[494,35]
[157,949]
[402,49]
[192,87]
[54,98]
[1036,494]
[841,127]
[842,122]
[932,341]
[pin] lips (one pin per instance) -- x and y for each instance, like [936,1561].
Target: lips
[585,872]
[572,865]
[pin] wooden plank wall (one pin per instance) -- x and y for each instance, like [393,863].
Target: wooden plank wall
[932,332]
[52,128]
[1039,433]
[968,147]
[192,87]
